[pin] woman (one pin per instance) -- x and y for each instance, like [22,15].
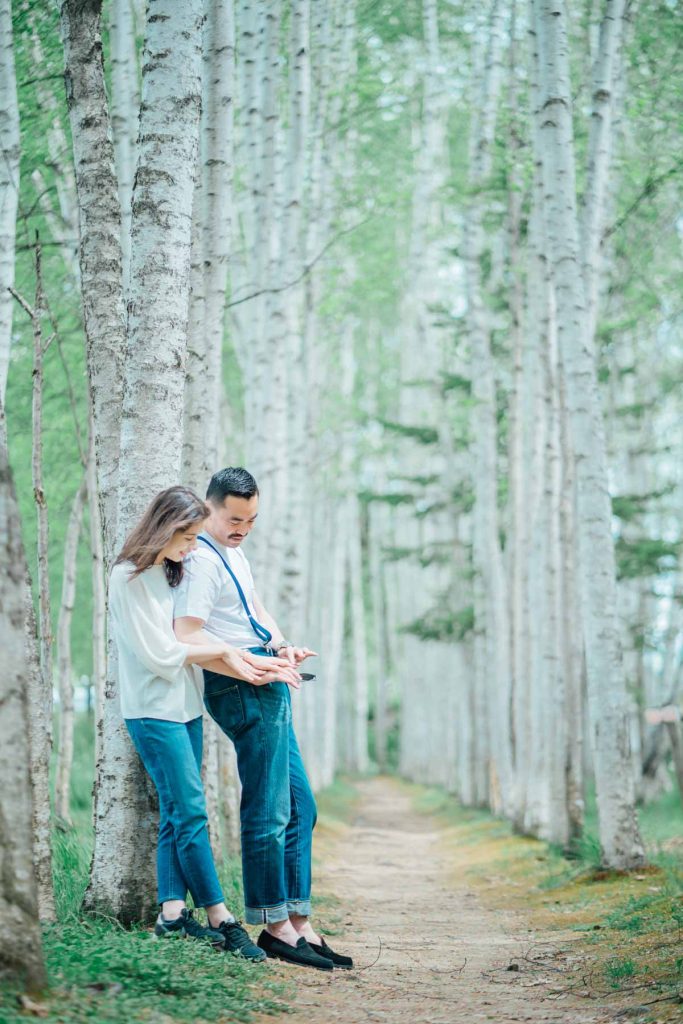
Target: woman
[161,702]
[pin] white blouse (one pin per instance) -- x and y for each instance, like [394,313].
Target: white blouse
[154,681]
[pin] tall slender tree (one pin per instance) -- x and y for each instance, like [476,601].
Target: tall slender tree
[9,184]
[122,871]
[608,709]
[21,953]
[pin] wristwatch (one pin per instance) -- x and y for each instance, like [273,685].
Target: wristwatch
[281,644]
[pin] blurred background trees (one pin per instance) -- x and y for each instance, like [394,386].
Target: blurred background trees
[419,272]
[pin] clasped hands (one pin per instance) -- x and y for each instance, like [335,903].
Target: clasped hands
[259,670]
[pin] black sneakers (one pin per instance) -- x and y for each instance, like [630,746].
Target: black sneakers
[301,954]
[237,941]
[229,936]
[186,926]
[337,959]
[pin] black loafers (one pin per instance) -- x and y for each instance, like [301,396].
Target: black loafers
[337,959]
[301,954]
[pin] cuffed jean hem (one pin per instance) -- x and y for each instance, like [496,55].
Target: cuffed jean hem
[266,915]
[300,907]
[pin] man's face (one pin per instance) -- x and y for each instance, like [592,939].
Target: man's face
[233,520]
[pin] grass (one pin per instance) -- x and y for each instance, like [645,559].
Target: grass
[630,925]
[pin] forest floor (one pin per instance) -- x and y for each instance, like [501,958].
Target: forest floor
[450,917]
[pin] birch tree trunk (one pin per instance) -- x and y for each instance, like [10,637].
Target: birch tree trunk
[100,244]
[122,872]
[491,606]
[40,661]
[40,748]
[99,594]
[211,244]
[9,184]
[619,835]
[213,241]
[599,153]
[125,110]
[266,415]
[21,954]
[62,219]
[294,582]
[65,747]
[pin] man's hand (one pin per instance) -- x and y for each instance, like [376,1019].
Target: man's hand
[295,655]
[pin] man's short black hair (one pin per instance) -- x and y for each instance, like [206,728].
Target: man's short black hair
[233,481]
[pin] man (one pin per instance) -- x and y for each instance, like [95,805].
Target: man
[217,597]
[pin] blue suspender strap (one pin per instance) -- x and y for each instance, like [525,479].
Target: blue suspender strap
[264,635]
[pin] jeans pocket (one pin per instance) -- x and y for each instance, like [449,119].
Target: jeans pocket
[224,704]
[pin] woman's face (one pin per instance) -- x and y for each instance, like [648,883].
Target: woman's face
[182,542]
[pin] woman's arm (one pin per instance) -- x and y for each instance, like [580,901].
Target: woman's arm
[255,670]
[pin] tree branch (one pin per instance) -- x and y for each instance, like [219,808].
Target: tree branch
[307,268]
[23,303]
[649,188]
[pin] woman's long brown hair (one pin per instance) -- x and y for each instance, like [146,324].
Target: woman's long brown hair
[174,509]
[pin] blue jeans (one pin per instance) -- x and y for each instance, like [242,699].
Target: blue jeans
[172,754]
[277,811]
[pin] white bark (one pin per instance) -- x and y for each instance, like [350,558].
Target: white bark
[40,747]
[212,241]
[266,382]
[65,746]
[100,244]
[40,676]
[21,954]
[229,794]
[619,835]
[62,220]
[99,595]
[9,184]
[125,110]
[599,153]
[491,607]
[122,872]
[293,585]
[358,754]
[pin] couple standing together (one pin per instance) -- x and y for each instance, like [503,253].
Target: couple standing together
[182,599]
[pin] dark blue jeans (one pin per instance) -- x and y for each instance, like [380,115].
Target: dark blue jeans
[278,809]
[172,754]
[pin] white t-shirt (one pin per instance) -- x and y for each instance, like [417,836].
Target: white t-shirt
[208,592]
[154,681]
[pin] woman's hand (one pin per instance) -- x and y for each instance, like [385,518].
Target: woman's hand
[240,668]
[273,670]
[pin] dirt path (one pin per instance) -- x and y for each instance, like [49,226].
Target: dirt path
[444,954]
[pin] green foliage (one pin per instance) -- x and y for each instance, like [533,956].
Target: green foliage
[391,498]
[424,435]
[443,626]
[616,970]
[455,382]
[646,556]
[630,506]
